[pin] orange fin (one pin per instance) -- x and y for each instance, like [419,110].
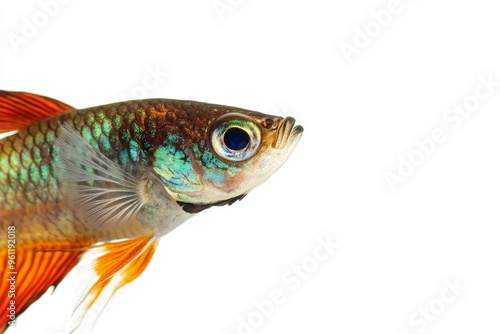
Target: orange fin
[32,270]
[121,263]
[19,109]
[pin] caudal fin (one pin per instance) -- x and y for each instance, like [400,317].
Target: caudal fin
[31,269]
[28,270]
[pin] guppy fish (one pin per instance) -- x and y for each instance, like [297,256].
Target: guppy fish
[114,179]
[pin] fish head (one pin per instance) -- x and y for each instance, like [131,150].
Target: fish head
[227,153]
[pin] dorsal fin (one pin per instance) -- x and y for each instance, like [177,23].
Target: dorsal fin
[19,109]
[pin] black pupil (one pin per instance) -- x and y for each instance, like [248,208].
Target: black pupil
[236,139]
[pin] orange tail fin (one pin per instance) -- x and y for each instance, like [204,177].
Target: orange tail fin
[27,271]
[33,268]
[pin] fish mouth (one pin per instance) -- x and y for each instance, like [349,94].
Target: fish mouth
[287,133]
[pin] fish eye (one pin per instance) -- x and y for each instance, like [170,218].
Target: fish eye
[235,139]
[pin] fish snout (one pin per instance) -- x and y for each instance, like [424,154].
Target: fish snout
[287,134]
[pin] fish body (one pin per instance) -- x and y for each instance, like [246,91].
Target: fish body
[116,178]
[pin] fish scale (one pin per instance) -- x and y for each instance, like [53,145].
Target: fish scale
[124,132]
[115,178]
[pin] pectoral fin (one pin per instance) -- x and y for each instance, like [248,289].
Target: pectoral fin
[103,194]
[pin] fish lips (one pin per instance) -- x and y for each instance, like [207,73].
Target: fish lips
[288,134]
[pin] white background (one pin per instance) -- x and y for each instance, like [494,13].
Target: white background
[397,248]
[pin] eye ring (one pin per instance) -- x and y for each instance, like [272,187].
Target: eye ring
[235,138]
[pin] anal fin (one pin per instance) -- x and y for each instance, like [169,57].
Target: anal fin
[121,263]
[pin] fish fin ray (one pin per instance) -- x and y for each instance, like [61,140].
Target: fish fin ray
[35,272]
[20,109]
[102,193]
[121,263]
